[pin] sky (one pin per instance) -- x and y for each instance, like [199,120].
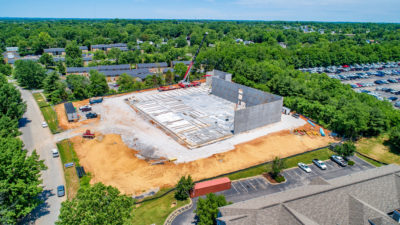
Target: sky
[286,10]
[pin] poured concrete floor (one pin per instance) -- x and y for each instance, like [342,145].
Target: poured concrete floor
[192,115]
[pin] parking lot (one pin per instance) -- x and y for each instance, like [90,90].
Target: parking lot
[259,186]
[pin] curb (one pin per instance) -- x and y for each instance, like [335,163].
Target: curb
[177,212]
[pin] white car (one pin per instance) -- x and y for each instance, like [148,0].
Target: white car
[44,124]
[54,152]
[304,167]
[319,163]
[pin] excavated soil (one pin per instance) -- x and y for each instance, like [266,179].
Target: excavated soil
[62,117]
[110,161]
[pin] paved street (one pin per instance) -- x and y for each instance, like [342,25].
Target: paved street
[258,186]
[41,139]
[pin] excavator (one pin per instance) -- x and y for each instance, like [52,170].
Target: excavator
[185,82]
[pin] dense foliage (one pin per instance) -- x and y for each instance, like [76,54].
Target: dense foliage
[20,182]
[183,188]
[97,204]
[207,209]
[277,166]
[346,149]
[394,138]
[29,73]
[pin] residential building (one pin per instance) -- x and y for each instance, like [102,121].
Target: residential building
[84,49]
[153,67]
[366,197]
[55,51]
[108,47]
[173,63]
[11,53]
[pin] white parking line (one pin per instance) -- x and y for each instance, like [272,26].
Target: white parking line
[244,187]
[251,184]
[262,183]
[233,185]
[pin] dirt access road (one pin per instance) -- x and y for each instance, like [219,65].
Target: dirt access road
[112,162]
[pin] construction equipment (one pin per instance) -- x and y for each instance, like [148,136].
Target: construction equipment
[88,134]
[186,82]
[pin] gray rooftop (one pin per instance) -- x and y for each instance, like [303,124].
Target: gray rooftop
[151,65]
[184,62]
[51,50]
[353,199]
[12,49]
[117,45]
[83,47]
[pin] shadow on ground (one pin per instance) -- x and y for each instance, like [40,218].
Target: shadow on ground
[23,121]
[41,210]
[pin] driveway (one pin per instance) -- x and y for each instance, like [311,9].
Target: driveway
[41,139]
[258,186]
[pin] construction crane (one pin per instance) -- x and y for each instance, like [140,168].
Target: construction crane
[186,82]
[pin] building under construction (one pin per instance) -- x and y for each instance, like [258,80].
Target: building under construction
[198,116]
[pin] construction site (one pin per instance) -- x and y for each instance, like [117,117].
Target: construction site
[149,139]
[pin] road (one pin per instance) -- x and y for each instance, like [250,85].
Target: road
[41,139]
[254,187]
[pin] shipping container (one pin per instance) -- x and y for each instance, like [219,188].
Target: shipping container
[210,186]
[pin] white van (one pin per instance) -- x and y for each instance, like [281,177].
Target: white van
[54,151]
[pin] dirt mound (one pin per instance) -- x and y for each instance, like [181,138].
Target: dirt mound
[110,161]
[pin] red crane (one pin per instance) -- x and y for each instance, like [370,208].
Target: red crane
[186,82]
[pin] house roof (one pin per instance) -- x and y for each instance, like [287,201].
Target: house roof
[351,199]
[99,68]
[12,61]
[151,65]
[69,108]
[117,45]
[12,49]
[83,47]
[50,50]
[184,62]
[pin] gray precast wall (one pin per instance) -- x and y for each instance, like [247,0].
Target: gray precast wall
[261,108]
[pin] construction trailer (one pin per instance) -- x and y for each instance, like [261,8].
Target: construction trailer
[210,186]
[70,110]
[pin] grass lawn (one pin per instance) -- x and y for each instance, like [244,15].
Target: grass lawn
[48,113]
[376,149]
[67,154]
[307,158]
[369,160]
[156,211]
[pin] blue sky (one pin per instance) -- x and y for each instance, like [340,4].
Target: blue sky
[290,10]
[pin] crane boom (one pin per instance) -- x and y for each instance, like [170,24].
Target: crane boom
[186,77]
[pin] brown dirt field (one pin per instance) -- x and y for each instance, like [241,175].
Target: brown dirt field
[110,161]
[62,117]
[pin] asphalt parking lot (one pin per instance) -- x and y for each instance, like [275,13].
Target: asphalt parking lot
[258,186]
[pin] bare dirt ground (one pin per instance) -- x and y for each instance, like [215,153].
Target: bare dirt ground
[112,162]
[62,117]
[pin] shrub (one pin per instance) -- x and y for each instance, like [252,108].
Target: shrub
[350,163]
[280,179]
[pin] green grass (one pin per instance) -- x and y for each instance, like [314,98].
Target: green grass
[156,211]
[369,160]
[307,158]
[376,149]
[67,155]
[48,113]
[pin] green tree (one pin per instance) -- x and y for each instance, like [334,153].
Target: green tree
[181,42]
[180,70]
[11,103]
[394,138]
[73,57]
[207,208]
[99,55]
[277,166]
[97,204]
[60,67]
[114,53]
[54,88]
[29,73]
[5,69]
[98,83]
[346,149]
[20,183]
[183,188]
[8,127]
[169,77]
[46,60]
[42,41]
[79,86]
[125,82]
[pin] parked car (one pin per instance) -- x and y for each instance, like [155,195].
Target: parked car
[393,98]
[339,160]
[296,115]
[319,163]
[91,115]
[60,191]
[44,125]
[85,108]
[304,167]
[393,81]
[54,152]
[397,104]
